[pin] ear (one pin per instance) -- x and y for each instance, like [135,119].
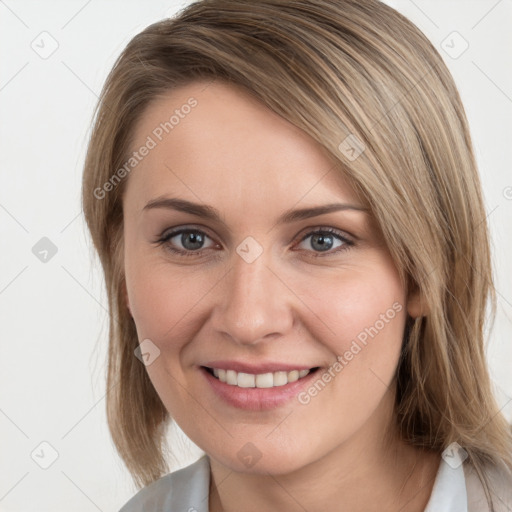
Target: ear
[416,304]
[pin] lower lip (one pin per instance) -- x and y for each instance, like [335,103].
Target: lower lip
[257,399]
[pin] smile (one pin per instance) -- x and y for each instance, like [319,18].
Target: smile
[261,380]
[256,387]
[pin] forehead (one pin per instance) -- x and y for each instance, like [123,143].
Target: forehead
[215,140]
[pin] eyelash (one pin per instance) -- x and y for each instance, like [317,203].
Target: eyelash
[164,239]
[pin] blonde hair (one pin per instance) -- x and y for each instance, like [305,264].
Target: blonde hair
[333,68]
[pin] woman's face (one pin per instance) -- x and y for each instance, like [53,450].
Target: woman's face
[251,293]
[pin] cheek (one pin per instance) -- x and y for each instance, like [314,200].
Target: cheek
[162,299]
[365,316]
[165,304]
[360,315]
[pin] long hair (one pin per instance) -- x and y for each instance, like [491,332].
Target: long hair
[335,69]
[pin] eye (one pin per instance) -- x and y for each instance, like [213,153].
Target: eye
[323,239]
[192,241]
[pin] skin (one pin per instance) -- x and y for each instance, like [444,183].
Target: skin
[234,154]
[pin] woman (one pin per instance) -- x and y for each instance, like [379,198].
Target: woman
[287,209]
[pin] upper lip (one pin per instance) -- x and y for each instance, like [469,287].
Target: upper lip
[264,367]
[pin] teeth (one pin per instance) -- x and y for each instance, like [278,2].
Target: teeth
[280,378]
[293,376]
[265,380]
[245,380]
[262,380]
[231,377]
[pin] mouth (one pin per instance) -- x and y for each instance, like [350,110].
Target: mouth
[256,385]
[261,380]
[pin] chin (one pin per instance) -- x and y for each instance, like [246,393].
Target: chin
[252,460]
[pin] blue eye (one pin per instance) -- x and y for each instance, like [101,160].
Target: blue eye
[323,239]
[189,237]
[192,241]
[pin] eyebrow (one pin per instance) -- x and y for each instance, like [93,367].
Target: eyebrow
[210,213]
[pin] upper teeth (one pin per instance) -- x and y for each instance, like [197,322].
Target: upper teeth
[262,380]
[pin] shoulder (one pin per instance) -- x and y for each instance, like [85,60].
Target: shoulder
[184,490]
[500,483]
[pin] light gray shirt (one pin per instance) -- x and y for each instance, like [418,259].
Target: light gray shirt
[456,489]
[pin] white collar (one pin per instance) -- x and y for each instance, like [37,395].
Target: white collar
[449,491]
[188,489]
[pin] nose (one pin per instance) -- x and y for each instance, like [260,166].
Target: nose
[253,302]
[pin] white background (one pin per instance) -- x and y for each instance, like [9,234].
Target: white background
[53,314]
